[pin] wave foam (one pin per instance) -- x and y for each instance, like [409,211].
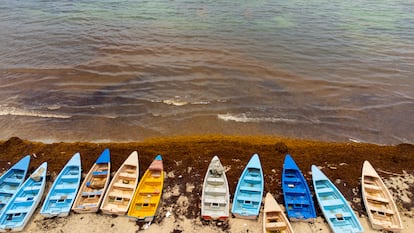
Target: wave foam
[175,102]
[12,111]
[242,117]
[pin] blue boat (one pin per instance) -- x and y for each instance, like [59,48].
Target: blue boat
[62,194]
[249,191]
[298,199]
[17,212]
[11,180]
[339,215]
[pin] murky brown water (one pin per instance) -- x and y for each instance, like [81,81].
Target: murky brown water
[124,71]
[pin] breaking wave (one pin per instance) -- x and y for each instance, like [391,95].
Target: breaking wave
[13,111]
[243,117]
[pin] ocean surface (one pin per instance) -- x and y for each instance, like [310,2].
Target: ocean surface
[129,70]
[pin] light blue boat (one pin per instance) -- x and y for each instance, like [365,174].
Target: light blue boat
[298,199]
[249,191]
[339,215]
[17,212]
[11,180]
[62,194]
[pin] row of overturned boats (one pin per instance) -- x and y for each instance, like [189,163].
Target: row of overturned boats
[126,194]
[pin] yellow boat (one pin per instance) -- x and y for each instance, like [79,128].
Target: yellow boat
[147,196]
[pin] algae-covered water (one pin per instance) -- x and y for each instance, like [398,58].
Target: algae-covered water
[129,70]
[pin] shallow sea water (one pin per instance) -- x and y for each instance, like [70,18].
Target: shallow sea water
[130,70]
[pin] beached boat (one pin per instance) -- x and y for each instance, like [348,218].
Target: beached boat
[11,180]
[382,211]
[122,187]
[274,220]
[93,188]
[22,205]
[147,197]
[249,191]
[62,194]
[215,195]
[298,199]
[339,215]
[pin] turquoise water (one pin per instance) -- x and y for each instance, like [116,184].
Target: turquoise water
[129,70]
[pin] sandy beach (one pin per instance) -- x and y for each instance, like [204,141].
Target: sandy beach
[185,163]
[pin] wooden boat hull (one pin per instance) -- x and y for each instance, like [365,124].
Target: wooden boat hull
[148,194]
[11,180]
[298,199]
[274,220]
[19,210]
[93,187]
[61,196]
[249,191]
[215,195]
[122,187]
[335,208]
[382,211]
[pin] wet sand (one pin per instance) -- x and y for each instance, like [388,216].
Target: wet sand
[186,160]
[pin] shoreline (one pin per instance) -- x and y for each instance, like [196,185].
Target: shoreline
[186,159]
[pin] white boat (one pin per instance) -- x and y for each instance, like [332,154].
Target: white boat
[382,211]
[94,185]
[215,195]
[122,187]
[274,220]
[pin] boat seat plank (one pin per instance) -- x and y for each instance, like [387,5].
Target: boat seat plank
[152,180]
[215,200]
[215,191]
[335,215]
[326,190]
[298,202]
[386,211]
[291,180]
[127,175]
[253,179]
[372,187]
[65,186]
[7,191]
[246,198]
[17,211]
[69,177]
[149,191]
[31,188]
[96,193]
[213,180]
[124,186]
[331,202]
[250,188]
[274,226]
[296,190]
[121,195]
[100,173]
[12,180]
[60,197]
[22,199]
[378,199]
